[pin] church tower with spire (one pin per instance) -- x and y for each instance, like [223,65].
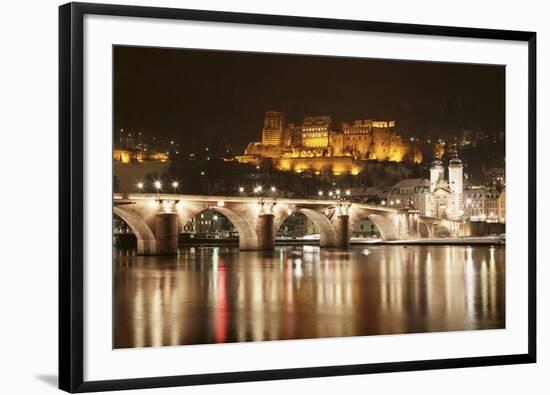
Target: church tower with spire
[455,210]
[437,173]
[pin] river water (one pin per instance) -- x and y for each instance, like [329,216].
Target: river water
[220,294]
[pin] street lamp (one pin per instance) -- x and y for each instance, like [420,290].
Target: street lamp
[175,185]
[158,186]
[348,192]
[273,189]
[320,193]
[241,189]
[140,186]
[330,193]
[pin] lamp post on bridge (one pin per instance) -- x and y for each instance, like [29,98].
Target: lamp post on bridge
[266,235]
[158,187]
[175,185]
[341,222]
[259,191]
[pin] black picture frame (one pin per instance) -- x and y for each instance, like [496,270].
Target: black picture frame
[71,223]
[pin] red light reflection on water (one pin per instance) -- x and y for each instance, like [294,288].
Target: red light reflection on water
[220,311]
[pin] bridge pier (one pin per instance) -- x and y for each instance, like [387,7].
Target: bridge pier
[166,233]
[146,247]
[266,231]
[342,228]
[413,224]
[407,225]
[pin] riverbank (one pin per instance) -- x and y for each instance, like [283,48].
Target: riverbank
[488,240]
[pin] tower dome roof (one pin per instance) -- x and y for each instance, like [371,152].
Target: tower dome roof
[455,161]
[437,162]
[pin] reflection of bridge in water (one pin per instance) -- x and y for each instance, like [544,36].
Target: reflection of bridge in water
[156,219]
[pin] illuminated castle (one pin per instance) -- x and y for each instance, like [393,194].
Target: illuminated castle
[317,146]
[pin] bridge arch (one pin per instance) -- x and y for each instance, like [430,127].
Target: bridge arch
[146,242]
[442,229]
[424,229]
[248,237]
[386,225]
[385,222]
[327,232]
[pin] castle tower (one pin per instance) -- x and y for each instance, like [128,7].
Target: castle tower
[456,203]
[272,133]
[437,173]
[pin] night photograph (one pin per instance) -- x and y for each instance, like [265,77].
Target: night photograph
[262,196]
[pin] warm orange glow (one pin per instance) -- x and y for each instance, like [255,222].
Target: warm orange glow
[127,156]
[322,148]
[122,156]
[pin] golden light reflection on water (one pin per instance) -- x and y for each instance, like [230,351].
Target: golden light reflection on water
[218,294]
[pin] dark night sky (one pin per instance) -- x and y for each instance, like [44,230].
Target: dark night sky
[178,93]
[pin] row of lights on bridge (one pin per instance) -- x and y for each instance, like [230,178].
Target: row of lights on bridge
[157,184]
[336,193]
[258,189]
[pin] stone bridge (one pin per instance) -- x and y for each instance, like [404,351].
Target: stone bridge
[156,219]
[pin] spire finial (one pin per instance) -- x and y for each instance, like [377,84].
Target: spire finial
[455,161]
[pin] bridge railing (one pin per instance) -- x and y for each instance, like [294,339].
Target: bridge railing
[246,199]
